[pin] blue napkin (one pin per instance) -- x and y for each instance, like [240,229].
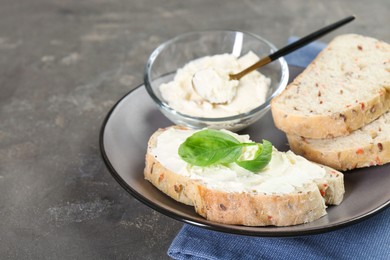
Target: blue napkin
[369,239]
[303,56]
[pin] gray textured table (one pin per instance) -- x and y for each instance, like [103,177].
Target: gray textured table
[63,64]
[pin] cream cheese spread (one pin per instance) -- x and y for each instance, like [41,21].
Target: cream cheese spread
[224,97]
[284,173]
[214,85]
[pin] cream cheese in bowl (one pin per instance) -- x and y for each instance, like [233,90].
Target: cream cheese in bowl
[214,85]
[223,97]
[170,70]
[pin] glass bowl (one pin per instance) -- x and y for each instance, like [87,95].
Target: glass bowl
[166,59]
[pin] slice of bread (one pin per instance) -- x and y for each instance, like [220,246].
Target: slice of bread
[344,88]
[238,197]
[364,147]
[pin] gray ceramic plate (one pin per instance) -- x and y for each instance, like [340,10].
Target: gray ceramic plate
[123,139]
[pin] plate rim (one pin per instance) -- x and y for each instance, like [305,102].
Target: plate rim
[225,228]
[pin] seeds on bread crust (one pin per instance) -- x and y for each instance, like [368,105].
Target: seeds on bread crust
[364,147]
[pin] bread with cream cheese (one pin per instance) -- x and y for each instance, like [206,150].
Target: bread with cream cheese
[304,203]
[346,87]
[364,147]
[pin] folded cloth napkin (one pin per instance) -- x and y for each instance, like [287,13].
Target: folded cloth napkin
[369,239]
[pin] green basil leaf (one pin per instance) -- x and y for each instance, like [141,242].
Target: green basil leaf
[209,147]
[262,158]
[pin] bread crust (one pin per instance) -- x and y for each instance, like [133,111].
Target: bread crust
[330,125]
[250,209]
[354,115]
[259,209]
[345,158]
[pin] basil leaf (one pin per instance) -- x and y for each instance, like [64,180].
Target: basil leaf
[262,158]
[209,147]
